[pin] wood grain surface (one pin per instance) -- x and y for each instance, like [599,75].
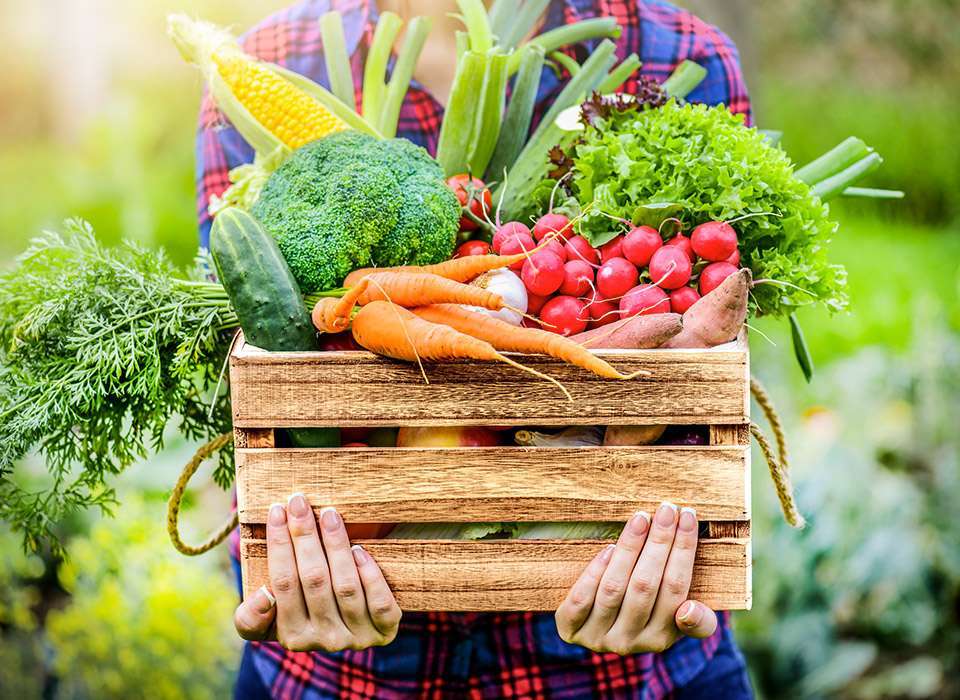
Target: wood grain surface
[501,575]
[477,484]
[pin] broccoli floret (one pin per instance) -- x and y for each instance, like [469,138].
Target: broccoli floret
[350,200]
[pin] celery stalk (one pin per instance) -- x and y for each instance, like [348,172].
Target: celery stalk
[490,116]
[375,71]
[522,22]
[597,28]
[833,161]
[684,79]
[417,31]
[516,124]
[564,61]
[474,17]
[619,75]
[834,185]
[456,132]
[337,59]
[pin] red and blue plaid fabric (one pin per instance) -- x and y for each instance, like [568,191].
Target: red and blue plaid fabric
[515,655]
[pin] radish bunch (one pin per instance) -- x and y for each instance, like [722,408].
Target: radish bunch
[573,286]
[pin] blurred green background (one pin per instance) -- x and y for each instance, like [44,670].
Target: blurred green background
[97,120]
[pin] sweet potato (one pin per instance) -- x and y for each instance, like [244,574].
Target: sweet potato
[717,317]
[630,435]
[635,333]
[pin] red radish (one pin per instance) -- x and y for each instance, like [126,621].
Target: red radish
[518,243]
[734,258]
[683,243]
[578,248]
[715,241]
[615,277]
[555,247]
[645,299]
[577,278]
[713,275]
[556,224]
[601,311]
[682,299]
[473,248]
[354,434]
[564,315]
[354,444]
[640,244]
[506,232]
[332,342]
[670,268]
[611,249]
[542,273]
[531,323]
[535,302]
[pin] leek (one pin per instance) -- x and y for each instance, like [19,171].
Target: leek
[375,71]
[456,132]
[489,117]
[516,124]
[417,32]
[833,161]
[337,59]
[684,79]
[619,75]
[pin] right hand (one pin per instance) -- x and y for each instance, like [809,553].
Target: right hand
[323,595]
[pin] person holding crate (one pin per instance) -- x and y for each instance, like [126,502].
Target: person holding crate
[626,628]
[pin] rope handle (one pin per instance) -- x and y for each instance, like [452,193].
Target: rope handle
[176,499]
[778,463]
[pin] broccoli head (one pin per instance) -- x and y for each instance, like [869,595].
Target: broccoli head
[349,200]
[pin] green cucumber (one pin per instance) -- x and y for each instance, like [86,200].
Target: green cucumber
[265,297]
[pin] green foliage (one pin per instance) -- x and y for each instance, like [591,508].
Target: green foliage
[704,160]
[142,619]
[350,200]
[99,350]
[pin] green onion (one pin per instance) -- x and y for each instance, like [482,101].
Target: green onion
[598,28]
[516,124]
[463,45]
[800,349]
[374,74]
[417,32]
[833,161]
[619,75]
[684,79]
[565,61]
[834,185]
[522,22]
[499,17]
[474,17]
[456,132]
[490,116]
[337,59]
[873,193]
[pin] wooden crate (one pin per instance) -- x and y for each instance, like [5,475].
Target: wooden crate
[378,485]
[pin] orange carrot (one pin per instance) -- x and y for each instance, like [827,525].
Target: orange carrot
[392,331]
[327,317]
[410,289]
[504,336]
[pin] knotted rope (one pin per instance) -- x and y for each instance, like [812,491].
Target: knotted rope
[176,498]
[779,464]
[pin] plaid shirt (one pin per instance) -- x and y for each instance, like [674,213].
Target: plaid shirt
[442,655]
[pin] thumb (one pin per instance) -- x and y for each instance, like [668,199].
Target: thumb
[255,615]
[694,619]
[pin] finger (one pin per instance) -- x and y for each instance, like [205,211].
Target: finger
[575,608]
[312,566]
[645,579]
[255,615]
[282,570]
[382,606]
[695,619]
[347,588]
[675,584]
[613,583]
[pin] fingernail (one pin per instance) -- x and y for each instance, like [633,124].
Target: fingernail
[690,614]
[298,505]
[265,600]
[277,515]
[607,553]
[666,514]
[688,520]
[640,522]
[330,519]
[360,555]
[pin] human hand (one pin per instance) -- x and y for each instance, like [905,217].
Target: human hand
[632,597]
[326,596]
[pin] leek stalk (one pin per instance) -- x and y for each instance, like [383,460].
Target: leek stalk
[417,31]
[337,59]
[375,71]
[516,124]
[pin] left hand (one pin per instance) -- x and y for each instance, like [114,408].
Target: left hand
[632,598]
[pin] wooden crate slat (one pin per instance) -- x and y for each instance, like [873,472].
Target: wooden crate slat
[516,574]
[496,483]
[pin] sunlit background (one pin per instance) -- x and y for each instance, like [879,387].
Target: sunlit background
[97,120]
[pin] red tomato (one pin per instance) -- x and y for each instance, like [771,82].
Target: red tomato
[472,248]
[473,193]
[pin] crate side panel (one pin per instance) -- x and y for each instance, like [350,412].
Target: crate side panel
[496,483]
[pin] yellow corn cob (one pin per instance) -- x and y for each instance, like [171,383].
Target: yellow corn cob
[282,108]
